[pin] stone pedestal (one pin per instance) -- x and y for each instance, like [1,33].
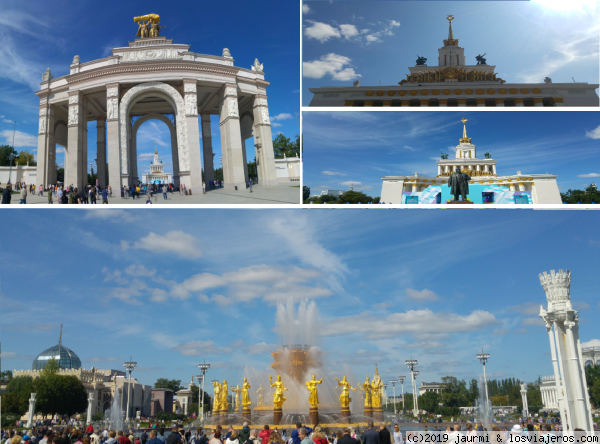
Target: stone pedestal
[459,202]
[345,415]
[314,415]
[247,414]
[369,412]
[378,414]
[277,414]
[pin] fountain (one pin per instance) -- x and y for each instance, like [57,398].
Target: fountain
[114,414]
[483,408]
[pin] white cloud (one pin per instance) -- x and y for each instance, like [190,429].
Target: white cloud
[2,117]
[275,124]
[21,139]
[412,149]
[321,31]
[594,134]
[332,173]
[306,9]
[581,306]
[349,31]
[527,308]
[533,322]
[589,175]
[113,215]
[261,349]
[8,355]
[8,121]
[350,183]
[372,38]
[330,64]
[394,23]
[182,244]
[146,156]
[591,343]
[413,322]
[197,348]
[424,295]
[282,116]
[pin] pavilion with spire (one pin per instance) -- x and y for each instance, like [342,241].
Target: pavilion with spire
[156,175]
[454,82]
[485,187]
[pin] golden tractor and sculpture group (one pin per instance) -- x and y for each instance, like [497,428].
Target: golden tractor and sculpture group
[373,393]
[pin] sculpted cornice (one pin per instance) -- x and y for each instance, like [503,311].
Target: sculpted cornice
[158,66]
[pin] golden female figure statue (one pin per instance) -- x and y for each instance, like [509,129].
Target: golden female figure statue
[246,402]
[261,396]
[224,393]
[376,390]
[278,398]
[311,385]
[345,395]
[366,387]
[237,390]
[217,398]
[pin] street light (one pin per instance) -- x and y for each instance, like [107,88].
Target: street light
[416,395]
[483,357]
[129,366]
[411,364]
[203,368]
[393,382]
[12,156]
[385,386]
[401,379]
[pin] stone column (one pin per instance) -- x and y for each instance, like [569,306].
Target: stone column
[387,103]
[89,408]
[75,167]
[263,141]
[478,168]
[439,170]
[480,102]
[521,187]
[415,188]
[402,103]
[246,177]
[424,102]
[209,169]
[101,150]
[499,102]
[368,103]
[193,138]
[31,411]
[462,102]
[558,101]
[231,139]
[494,169]
[112,137]
[519,102]
[512,187]
[537,101]
[443,102]
[46,155]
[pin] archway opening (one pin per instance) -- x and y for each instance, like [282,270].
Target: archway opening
[155,153]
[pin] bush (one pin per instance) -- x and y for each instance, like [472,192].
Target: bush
[9,419]
[98,416]
[167,416]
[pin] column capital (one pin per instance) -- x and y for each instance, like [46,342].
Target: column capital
[229,90]
[100,121]
[113,90]
[190,86]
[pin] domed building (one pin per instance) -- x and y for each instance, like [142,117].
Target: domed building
[67,359]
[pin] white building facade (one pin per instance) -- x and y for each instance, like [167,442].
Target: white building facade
[288,169]
[153,78]
[157,175]
[455,83]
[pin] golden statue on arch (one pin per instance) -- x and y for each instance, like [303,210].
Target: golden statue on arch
[345,395]
[149,29]
[278,398]
[311,385]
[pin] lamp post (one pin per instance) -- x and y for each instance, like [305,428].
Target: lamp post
[416,395]
[129,366]
[203,368]
[483,357]
[411,364]
[385,386]
[12,156]
[401,379]
[393,382]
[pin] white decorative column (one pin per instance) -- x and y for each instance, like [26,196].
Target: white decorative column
[439,170]
[89,408]
[246,177]
[31,411]
[101,151]
[75,155]
[112,137]
[231,139]
[209,169]
[46,155]
[524,399]
[263,141]
[576,411]
[494,169]
[193,138]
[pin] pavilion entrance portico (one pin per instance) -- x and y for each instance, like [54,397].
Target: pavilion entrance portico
[153,78]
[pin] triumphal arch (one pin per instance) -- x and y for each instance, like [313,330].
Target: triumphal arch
[154,78]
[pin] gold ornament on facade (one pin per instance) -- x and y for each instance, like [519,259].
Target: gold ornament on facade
[446,92]
[369,93]
[413,93]
[149,29]
[502,91]
[424,92]
[524,91]
[458,92]
[435,92]
[536,91]
[450,41]
[513,90]
[391,93]
[345,395]
[380,93]
[401,93]
[491,91]
[468,92]
[479,91]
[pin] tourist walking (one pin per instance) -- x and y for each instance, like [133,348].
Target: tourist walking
[23,196]
[371,436]
[250,184]
[397,435]
[384,435]
[164,192]
[6,194]
[203,188]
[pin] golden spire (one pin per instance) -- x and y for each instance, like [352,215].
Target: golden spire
[464,139]
[155,147]
[451,41]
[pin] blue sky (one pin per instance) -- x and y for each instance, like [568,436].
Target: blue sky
[341,148]
[39,34]
[172,288]
[376,41]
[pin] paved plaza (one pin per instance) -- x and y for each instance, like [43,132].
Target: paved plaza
[275,195]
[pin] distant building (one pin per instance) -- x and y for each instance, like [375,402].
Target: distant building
[334,193]
[436,387]
[288,169]
[157,174]
[161,401]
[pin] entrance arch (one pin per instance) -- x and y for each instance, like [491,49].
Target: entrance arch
[174,148]
[173,97]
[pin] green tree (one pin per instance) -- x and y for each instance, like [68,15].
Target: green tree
[98,416]
[473,391]
[5,152]
[587,196]
[60,175]
[62,395]
[91,179]
[592,377]
[354,197]
[26,157]
[173,384]
[16,385]
[284,146]
[429,401]
[408,402]
[13,403]
[219,174]
[305,193]
[6,375]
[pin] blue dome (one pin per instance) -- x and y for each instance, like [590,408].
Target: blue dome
[68,359]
